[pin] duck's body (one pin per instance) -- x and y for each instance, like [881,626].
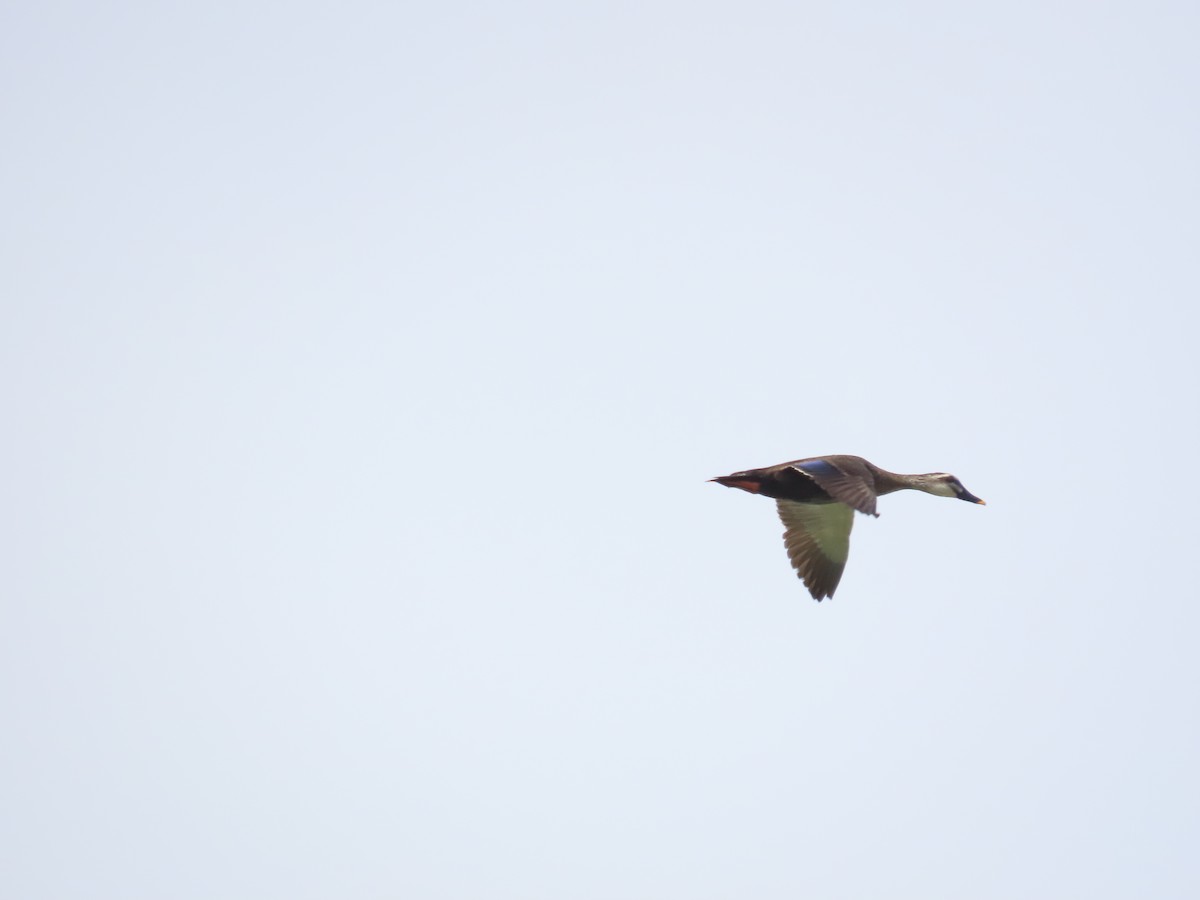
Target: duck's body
[817,498]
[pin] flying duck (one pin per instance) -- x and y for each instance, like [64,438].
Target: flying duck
[817,498]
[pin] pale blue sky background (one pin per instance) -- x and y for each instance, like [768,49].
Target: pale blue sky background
[362,368]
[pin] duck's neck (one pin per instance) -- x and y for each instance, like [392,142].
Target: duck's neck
[887,482]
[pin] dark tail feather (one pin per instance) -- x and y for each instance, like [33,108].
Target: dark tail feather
[742,482]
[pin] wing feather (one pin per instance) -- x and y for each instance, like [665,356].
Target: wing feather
[818,542]
[852,488]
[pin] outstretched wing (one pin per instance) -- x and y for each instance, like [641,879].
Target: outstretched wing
[818,542]
[856,490]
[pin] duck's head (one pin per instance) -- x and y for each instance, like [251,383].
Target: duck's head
[944,484]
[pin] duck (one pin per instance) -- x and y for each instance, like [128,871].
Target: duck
[817,498]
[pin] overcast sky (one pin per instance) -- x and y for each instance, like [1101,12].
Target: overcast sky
[362,367]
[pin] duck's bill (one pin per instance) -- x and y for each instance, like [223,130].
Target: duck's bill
[971,498]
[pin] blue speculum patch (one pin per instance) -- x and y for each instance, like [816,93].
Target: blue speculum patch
[818,467]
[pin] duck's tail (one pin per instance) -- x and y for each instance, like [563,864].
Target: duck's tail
[743,481]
